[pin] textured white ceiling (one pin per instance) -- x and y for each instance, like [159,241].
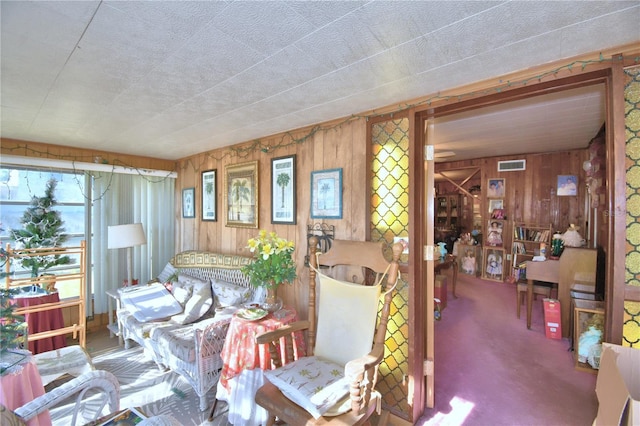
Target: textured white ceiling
[170,79]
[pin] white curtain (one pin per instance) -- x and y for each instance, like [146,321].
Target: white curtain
[122,199]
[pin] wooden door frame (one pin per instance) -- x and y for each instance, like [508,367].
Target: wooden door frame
[608,73]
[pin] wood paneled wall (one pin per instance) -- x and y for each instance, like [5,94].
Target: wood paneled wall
[57,152]
[531,194]
[343,146]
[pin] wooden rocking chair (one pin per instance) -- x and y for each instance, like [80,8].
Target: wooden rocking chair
[342,353]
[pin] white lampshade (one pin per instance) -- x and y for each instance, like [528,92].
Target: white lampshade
[121,236]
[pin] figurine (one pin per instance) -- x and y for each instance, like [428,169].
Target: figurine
[572,238]
[443,249]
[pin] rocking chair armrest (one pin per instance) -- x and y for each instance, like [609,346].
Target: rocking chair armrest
[356,367]
[99,380]
[285,330]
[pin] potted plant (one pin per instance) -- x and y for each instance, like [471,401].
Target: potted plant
[42,226]
[273,265]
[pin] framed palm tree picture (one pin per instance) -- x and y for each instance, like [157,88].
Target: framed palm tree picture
[241,194]
[283,190]
[209,195]
[326,194]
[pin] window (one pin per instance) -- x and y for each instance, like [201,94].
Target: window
[19,185]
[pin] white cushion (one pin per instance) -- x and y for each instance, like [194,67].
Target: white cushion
[228,294]
[182,291]
[166,273]
[149,302]
[347,316]
[198,304]
[313,383]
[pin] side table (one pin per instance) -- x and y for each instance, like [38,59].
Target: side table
[114,327]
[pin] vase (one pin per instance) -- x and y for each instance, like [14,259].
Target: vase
[272,302]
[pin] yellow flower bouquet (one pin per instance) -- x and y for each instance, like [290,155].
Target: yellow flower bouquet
[274,264]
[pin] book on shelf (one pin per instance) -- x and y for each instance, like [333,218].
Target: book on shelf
[519,248]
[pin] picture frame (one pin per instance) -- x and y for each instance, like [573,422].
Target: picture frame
[567,185]
[283,190]
[326,194]
[188,203]
[495,188]
[209,195]
[241,195]
[496,205]
[495,228]
[494,264]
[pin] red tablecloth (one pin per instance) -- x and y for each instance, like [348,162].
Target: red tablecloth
[43,321]
[240,351]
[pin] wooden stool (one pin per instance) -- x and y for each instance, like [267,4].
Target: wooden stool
[542,290]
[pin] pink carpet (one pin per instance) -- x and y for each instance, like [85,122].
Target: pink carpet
[491,370]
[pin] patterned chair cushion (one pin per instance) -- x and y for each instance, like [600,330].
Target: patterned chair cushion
[198,303]
[176,340]
[149,303]
[313,383]
[228,294]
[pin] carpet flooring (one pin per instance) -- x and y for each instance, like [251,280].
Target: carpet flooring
[491,370]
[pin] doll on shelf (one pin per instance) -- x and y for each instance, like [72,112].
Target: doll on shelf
[494,238]
[494,266]
[469,262]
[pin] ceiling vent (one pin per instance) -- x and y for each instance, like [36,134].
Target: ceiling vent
[512,165]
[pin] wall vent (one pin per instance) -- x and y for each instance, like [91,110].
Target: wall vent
[512,165]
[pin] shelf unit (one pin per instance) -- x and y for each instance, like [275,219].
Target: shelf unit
[79,329]
[448,211]
[527,239]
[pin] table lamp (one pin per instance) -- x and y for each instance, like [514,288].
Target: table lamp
[126,236]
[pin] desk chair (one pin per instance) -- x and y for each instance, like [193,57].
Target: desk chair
[521,293]
[343,355]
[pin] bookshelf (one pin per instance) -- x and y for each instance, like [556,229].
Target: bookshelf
[448,211]
[526,243]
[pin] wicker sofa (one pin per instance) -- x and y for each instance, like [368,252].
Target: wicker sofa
[192,349]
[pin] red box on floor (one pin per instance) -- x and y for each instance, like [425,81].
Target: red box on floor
[440,290]
[552,319]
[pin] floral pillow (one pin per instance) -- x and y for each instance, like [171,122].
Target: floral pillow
[228,294]
[198,303]
[313,383]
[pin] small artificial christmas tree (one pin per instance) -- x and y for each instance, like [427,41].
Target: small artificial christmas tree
[42,226]
[13,329]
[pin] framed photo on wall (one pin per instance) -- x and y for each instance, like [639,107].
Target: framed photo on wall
[567,185]
[495,188]
[326,194]
[209,195]
[495,205]
[188,203]
[283,190]
[493,264]
[241,195]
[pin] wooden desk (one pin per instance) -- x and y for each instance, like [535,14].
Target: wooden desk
[573,264]
[444,264]
[243,363]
